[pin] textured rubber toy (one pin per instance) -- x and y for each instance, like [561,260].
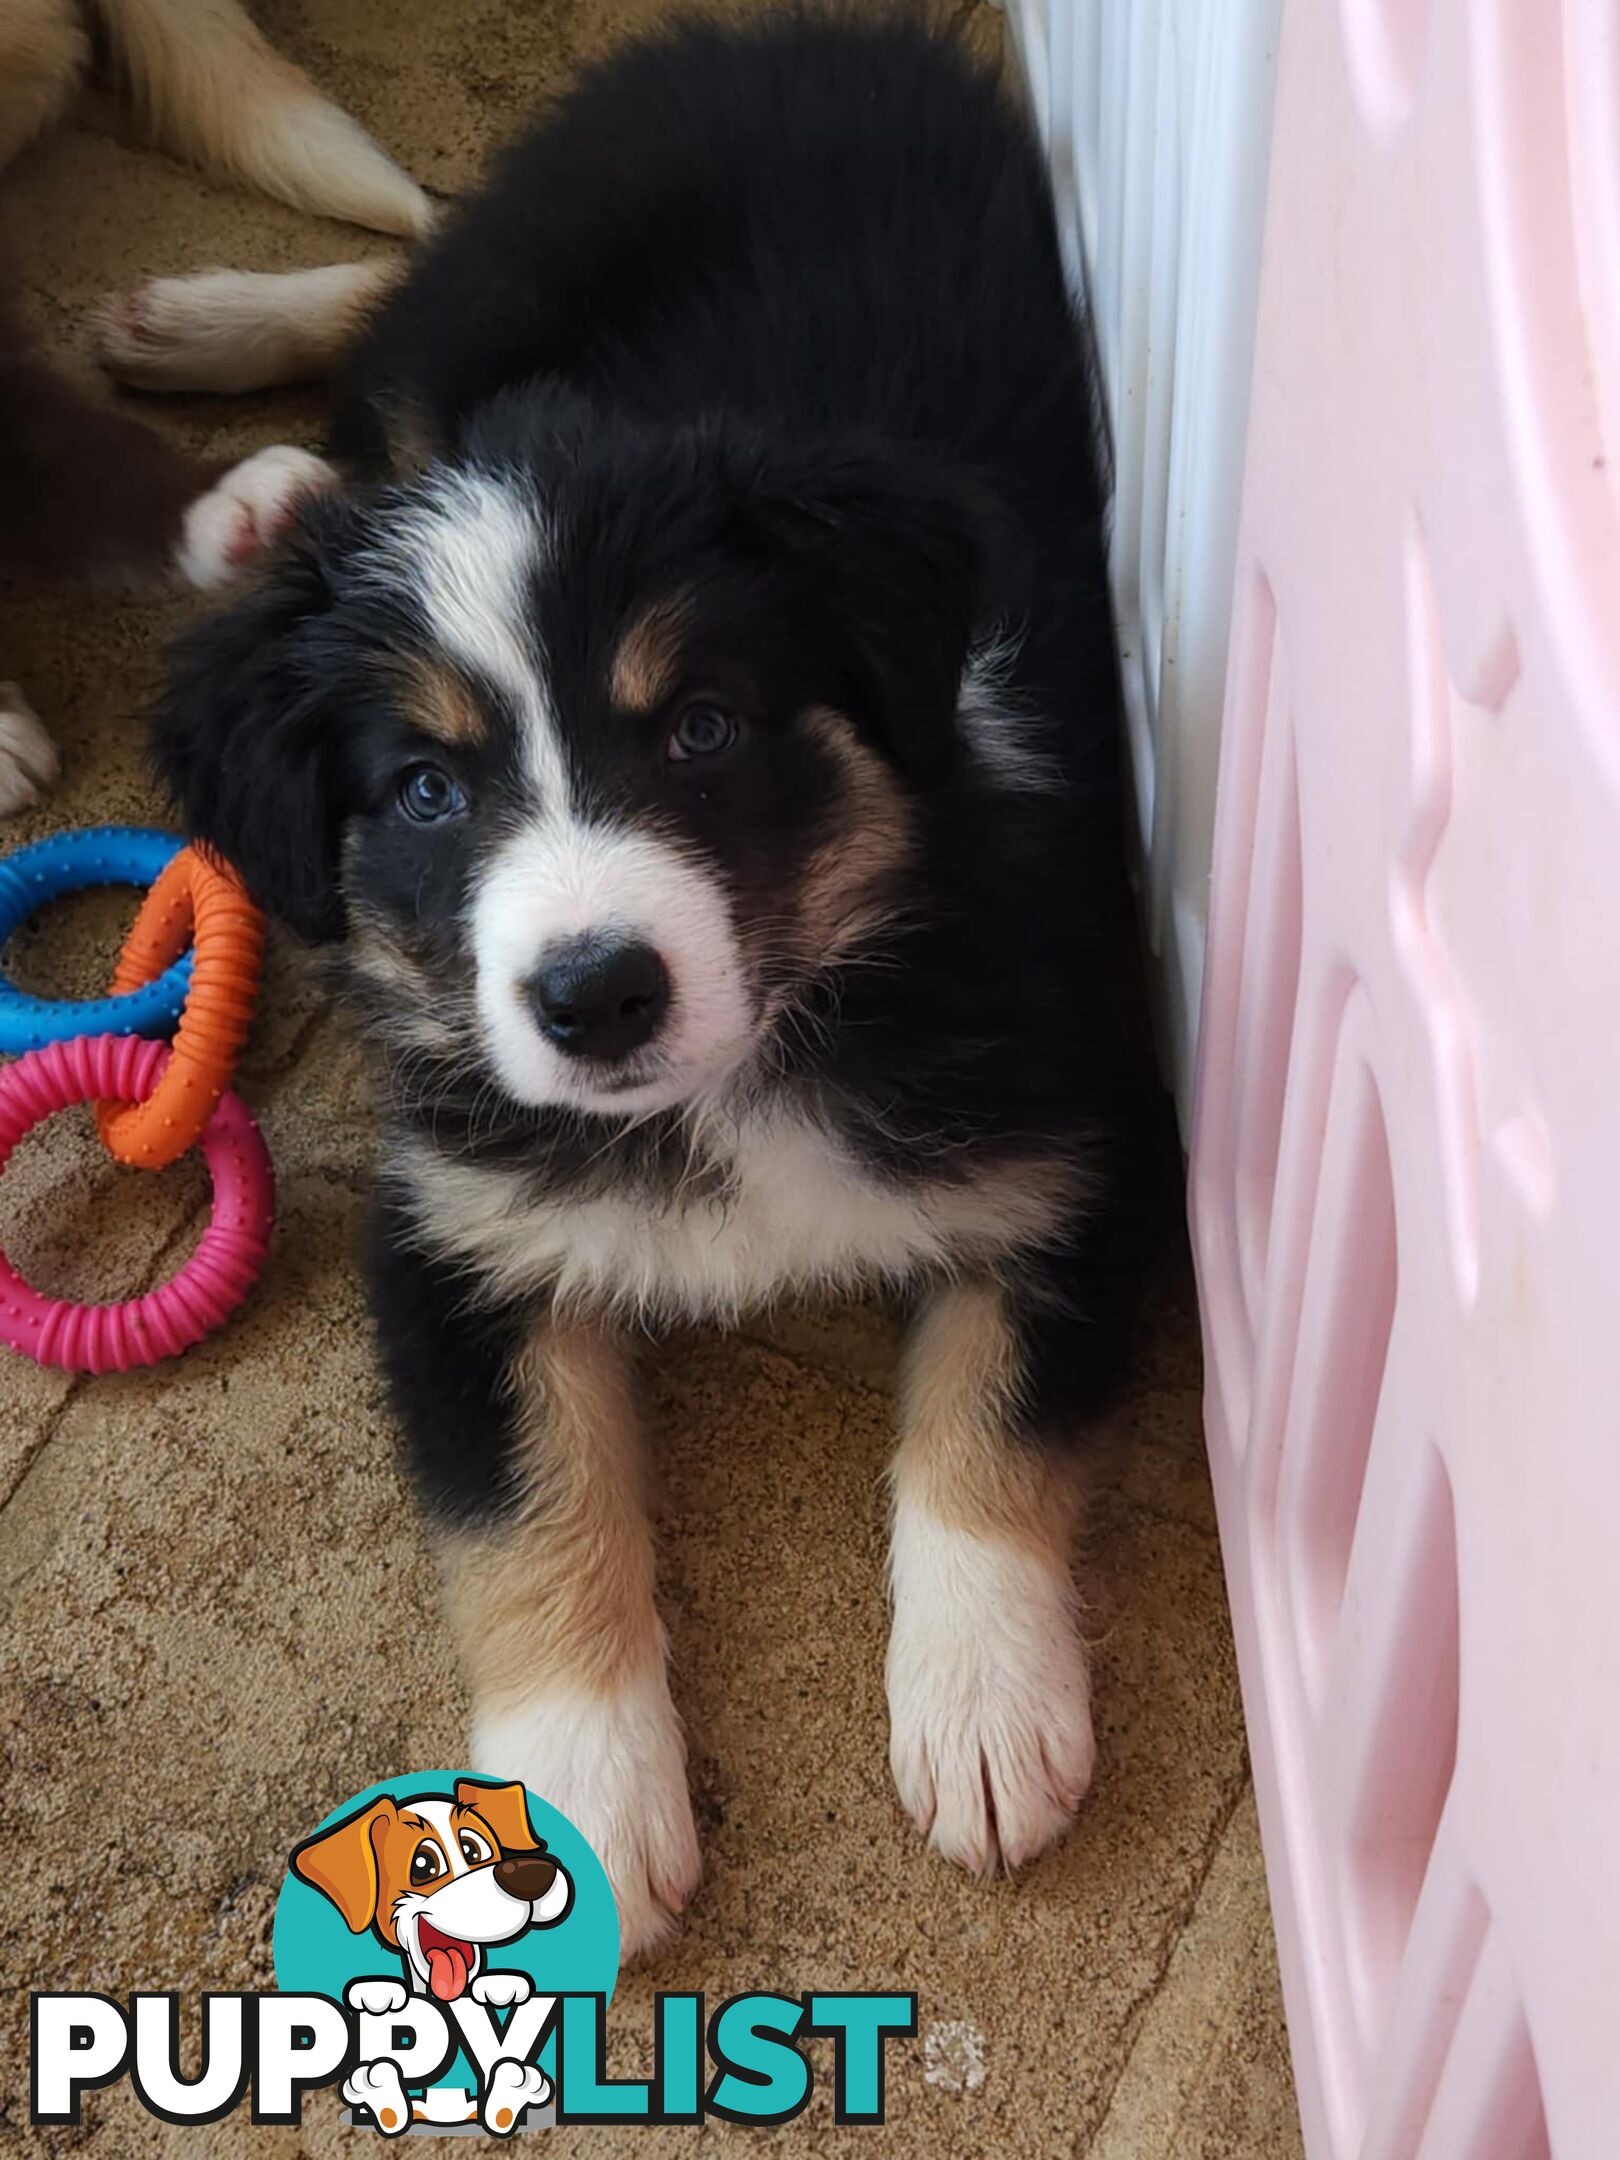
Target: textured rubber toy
[198,901]
[219,1274]
[69,862]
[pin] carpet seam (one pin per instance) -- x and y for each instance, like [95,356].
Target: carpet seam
[1174,1935]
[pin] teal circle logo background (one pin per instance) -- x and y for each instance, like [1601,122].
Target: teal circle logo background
[315,1954]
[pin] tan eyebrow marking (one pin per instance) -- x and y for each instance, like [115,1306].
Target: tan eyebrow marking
[436,700]
[646,665]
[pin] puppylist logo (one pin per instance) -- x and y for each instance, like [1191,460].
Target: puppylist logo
[445,1950]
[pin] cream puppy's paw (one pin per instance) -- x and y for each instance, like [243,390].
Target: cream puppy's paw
[29,763]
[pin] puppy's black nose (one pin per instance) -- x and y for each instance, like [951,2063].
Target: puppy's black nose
[599,997]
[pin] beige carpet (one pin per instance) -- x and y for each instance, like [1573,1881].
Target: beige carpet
[219,1623]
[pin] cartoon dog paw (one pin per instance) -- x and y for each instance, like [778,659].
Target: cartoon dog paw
[378,1998]
[501,1990]
[513,2086]
[379,2087]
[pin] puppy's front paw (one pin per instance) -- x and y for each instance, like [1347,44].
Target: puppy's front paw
[240,516]
[990,1735]
[28,760]
[513,2086]
[378,1998]
[214,330]
[616,1767]
[501,1990]
[158,336]
[379,2087]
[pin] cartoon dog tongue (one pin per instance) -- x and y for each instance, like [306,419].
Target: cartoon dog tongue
[449,1963]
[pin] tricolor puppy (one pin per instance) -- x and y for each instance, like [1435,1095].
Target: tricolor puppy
[439,1880]
[696,727]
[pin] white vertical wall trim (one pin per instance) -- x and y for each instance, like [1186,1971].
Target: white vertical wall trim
[1156,116]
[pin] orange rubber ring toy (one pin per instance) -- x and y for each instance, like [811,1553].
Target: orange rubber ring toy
[201,901]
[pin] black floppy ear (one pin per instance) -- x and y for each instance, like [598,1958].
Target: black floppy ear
[248,736]
[903,557]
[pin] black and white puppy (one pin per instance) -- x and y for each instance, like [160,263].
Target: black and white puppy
[697,726]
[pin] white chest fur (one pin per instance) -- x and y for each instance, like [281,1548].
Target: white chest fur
[798,1214]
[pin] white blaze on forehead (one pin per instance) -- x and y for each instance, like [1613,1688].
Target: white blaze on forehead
[436,1814]
[474,543]
[470,546]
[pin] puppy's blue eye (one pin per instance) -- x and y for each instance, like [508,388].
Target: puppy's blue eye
[427,793]
[702,731]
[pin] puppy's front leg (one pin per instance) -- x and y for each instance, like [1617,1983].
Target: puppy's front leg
[553,1605]
[527,1452]
[989,1699]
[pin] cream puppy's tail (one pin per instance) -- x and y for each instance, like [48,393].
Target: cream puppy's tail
[211,90]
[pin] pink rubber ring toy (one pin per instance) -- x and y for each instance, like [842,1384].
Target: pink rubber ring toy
[219,1274]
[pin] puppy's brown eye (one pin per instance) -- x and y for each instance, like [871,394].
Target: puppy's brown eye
[473,1849]
[702,731]
[427,1864]
[427,794]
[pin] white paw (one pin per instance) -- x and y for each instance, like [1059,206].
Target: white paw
[239,517]
[233,330]
[179,333]
[28,759]
[990,1735]
[513,2086]
[501,1990]
[616,1767]
[379,1998]
[379,2087]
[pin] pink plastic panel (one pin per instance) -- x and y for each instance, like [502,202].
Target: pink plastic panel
[1406,1162]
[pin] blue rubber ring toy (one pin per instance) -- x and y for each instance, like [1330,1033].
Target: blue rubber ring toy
[69,862]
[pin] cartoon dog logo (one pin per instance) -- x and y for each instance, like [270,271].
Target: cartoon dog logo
[440,1879]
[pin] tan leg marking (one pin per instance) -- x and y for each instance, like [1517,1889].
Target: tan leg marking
[564,1594]
[958,1457]
[555,1616]
[990,1734]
